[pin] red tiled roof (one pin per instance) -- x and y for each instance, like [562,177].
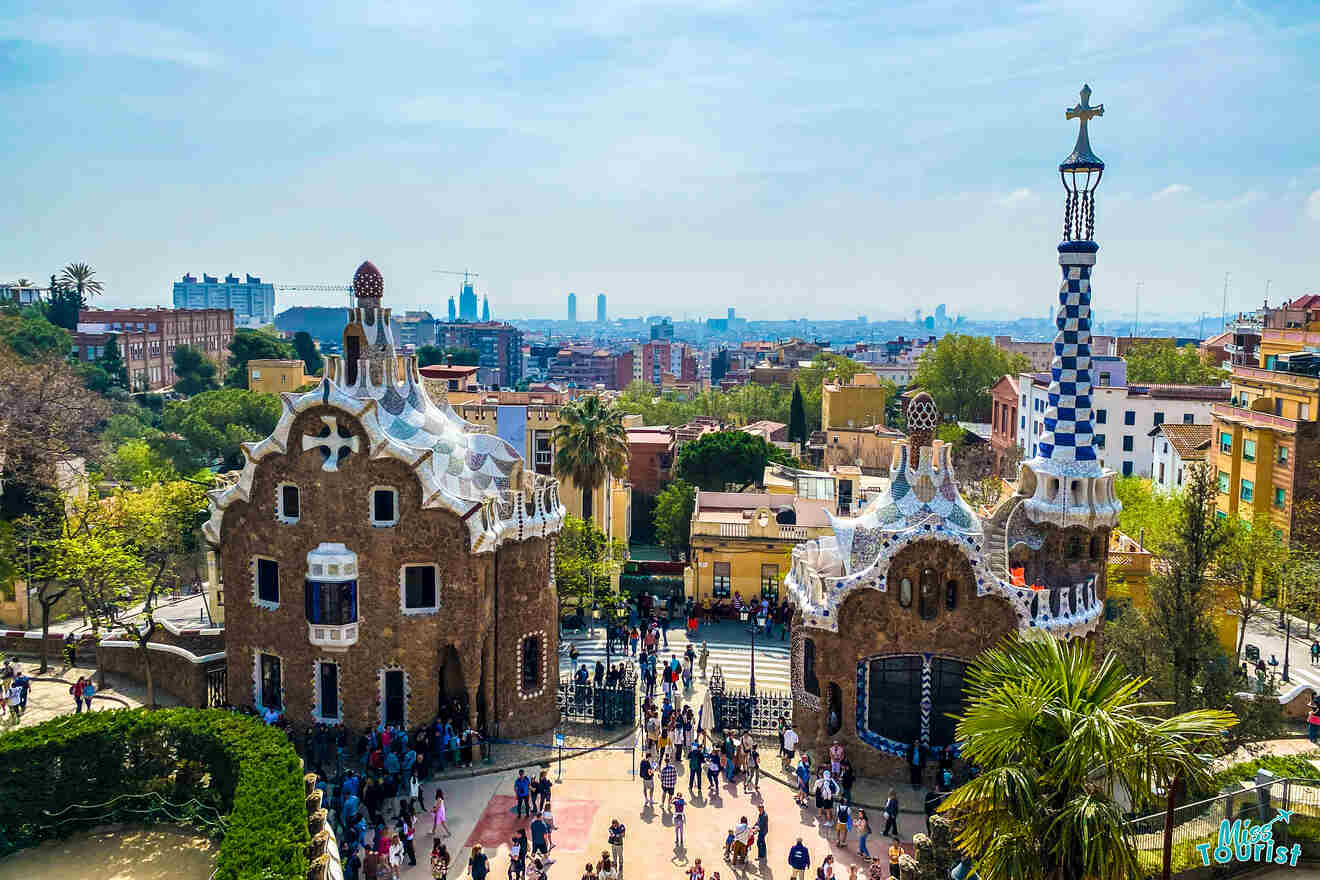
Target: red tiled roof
[1192,442]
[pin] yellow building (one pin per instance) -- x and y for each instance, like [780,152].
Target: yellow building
[860,403]
[1130,566]
[742,542]
[527,420]
[273,376]
[1266,439]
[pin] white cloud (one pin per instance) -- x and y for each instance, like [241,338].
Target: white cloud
[1313,205]
[128,37]
[1017,196]
[1173,189]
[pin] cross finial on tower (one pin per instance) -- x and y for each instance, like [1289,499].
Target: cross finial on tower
[1085,112]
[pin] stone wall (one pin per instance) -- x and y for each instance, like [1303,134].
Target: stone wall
[174,671]
[335,507]
[872,623]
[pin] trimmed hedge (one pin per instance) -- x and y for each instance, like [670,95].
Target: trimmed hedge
[245,769]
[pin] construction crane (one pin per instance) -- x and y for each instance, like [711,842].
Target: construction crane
[466,274]
[320,288]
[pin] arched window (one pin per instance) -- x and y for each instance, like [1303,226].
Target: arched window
[809,681]
[893,701]
[905,593]
[929,604]
[530,659]
[951,595]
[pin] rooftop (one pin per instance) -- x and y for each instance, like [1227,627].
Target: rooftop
[1191,442]
[737,506]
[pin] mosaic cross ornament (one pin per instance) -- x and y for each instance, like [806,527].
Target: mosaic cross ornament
[331,443]
[1085,112]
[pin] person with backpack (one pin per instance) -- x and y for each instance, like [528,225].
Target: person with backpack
[616,835]
[478,864]
[799,860]
[842,820]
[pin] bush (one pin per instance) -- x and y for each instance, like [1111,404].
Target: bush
[1280,765]
[237,764]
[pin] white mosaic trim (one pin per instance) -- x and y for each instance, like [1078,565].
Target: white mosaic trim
[252,576]
[545,660]
[316,691]
[380,692]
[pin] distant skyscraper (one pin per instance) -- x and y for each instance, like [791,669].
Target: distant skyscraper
[452,312]
[572,307]
[467,303]
[485,309]
[252,300]
[600,308]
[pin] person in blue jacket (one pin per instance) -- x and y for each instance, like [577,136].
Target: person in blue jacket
[799,859]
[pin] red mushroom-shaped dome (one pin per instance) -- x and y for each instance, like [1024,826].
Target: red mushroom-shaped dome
[367,281]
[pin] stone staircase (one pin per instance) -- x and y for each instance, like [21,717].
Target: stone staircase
[996,542]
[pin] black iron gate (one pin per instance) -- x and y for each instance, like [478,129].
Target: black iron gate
[740,710]
[607,705]
[217,688]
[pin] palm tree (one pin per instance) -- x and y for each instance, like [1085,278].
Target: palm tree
[79,277]
[1056,735]
[590,444]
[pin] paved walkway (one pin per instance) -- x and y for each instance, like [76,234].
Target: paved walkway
[50,698]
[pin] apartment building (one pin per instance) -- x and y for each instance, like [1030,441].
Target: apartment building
[147,339]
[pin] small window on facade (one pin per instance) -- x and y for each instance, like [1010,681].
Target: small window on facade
[419,588]
[1189,418]
[1278,497]
[1283,455]
[1129,417]
[268,581]
[905,593]
[327,688]
[270,682]
[809,681]
[1127,442]
[1127,468]
[384,507]
[951,595]
[1101,416]
[531,664]
[290,509]
[1159,418]
[929,604]
[1223,483]
[722,584]
[770,583]
[1248,490]
[1248,450]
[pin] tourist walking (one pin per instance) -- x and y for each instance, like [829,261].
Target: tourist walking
[863,823]
[668,781]
[842,819]
[891,815]
[522,790]
[762,829]
[543,788]
[606,869]
[540,833]
[438,862]
[396,856]
[647,773]
[616,835]
[895,850]
[517,856]
[478,864]
[799,859]
[438,818]
[679,820]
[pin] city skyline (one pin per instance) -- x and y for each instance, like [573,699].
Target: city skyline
[788,163]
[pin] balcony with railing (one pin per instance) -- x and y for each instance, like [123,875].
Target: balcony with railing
[330,596]
[1251,418]
[1296,381]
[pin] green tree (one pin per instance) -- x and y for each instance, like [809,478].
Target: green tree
[193,372]
[430,355]
[459,356]
[584,562]
[1042,719]
[136,462]
[121,551]
[797,418]
[248,345]
[1146,512]
[32,337]
[673,516]
[714,461]
[63,305]
[958,372]
[305,347]
[212,425]
[590,445]
[1161,362]
[112,362]
[81,277]
[1253,561]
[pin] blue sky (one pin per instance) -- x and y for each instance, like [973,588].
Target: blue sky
[784,158]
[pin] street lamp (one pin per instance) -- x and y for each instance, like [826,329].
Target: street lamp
[756,622]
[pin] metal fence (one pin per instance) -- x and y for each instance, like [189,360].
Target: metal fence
[217,687]
[740,710]
[1198,823]
[607,705]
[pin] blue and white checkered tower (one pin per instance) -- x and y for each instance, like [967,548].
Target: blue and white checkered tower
[1070,487]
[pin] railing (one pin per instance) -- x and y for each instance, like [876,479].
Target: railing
[733,530]
[793,533]
[738,710]
[1133,563]
[605,705]
[1277,377]
[1196,824]
[742,530]
[1250,417]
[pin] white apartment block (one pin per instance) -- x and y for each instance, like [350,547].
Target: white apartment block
[1123,417]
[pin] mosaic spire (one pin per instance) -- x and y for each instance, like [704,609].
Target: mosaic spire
[1068,437]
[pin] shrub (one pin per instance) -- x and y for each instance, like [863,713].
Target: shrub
[248,771]
[1299,766]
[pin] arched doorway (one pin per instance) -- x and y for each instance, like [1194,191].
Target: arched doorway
[451,697]
[834,717]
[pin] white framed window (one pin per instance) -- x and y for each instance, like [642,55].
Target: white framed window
[419,588]
[394,691]
[267,680]
[288,503]
[384,506]
[265,582]
[325,686]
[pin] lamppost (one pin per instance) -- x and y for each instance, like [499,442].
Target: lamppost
[756,622]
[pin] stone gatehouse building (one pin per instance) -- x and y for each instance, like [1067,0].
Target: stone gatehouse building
[381,555]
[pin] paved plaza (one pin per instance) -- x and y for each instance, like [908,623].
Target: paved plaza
[600,787]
